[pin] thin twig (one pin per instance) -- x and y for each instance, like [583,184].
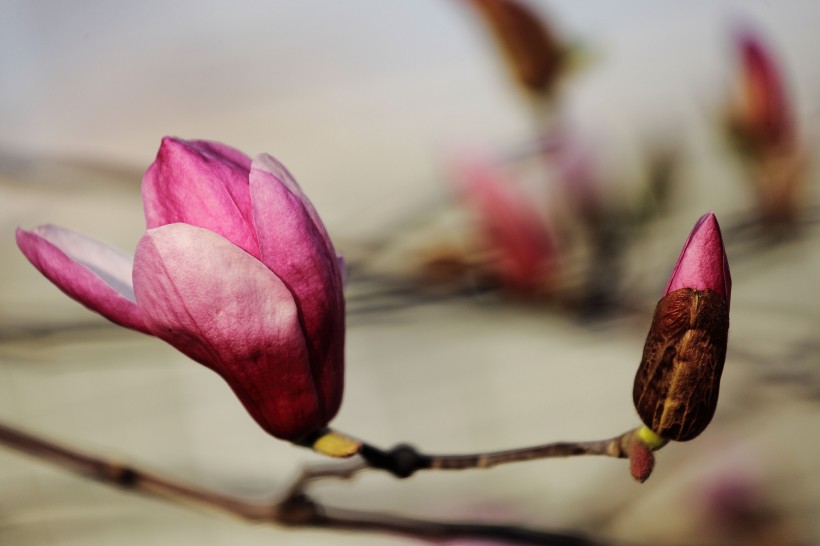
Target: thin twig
[295,509]
[614,447]
[344,470]
[403,460]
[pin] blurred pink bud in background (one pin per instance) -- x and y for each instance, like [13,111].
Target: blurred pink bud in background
[521,246]
[760,115]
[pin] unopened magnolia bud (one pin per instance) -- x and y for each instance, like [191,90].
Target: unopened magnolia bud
[536,56]
[677,384]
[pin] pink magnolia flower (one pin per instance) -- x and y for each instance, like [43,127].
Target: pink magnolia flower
[523,252]
[677,384]
[236,270]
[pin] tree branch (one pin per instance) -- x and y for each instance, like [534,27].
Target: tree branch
[295,509]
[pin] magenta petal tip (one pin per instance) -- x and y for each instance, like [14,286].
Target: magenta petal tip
[702,264]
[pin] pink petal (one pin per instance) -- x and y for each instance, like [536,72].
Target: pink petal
[204,184]
[269,164]
[224,308]
[702,263]
[294,244]
[87,270]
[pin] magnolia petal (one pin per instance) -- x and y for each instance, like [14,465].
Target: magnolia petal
[294,244]
[224,308]
[204,184]
[268,163]
[87,270]
[702,263]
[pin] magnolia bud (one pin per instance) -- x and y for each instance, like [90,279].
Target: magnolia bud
[676,387]
[536,56]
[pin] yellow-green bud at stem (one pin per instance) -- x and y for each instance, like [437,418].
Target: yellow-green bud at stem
[653,440]
[337,445]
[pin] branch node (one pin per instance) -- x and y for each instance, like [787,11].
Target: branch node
[296,511]
[402,461]
[123,475]
[406,460]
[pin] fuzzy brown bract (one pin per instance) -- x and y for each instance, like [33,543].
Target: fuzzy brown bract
[677,384]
